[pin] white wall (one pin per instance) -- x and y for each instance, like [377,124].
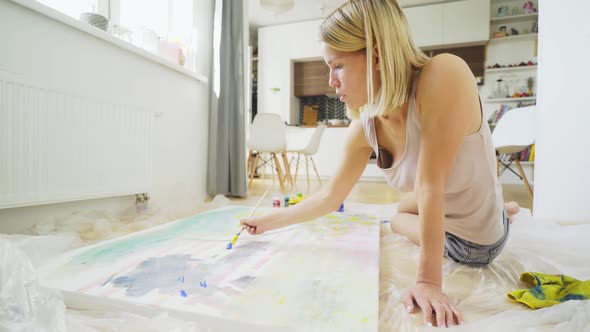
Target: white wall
[562,159]
[329,154]
[278,46]
[45,50]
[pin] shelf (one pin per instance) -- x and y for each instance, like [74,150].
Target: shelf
[502,1]
[510,69]
[525,164]
[514,18]
[327,126]
[509,100]
[516,37]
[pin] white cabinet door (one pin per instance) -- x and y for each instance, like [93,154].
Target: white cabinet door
[425,24]
[466,21]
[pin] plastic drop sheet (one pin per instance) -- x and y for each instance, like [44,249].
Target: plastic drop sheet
[25,306]
[480,293]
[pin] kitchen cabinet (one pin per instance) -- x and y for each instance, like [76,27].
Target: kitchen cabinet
[425,24]
[311,79]
[458,23]
[466,21]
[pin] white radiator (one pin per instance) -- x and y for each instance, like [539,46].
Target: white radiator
[56,146]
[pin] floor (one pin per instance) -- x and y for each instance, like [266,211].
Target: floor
[378,192]
[526,250]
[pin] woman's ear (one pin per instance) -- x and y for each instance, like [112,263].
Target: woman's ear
[376,57]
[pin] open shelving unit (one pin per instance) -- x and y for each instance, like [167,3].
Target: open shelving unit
[512,49]
[514,18]
[510,100]
[515,37]
[510,69]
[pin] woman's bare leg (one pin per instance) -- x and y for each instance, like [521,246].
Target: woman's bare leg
[408,204]
[512,208]
[408,225]
[406,221]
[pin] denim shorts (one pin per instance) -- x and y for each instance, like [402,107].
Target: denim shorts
[469,253]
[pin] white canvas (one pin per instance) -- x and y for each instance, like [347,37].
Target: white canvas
[320,275]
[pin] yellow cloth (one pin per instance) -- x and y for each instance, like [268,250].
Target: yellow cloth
[547,290]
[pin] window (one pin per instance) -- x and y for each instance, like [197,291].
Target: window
[149,15]
[163,27]
[74,8]
[217,46]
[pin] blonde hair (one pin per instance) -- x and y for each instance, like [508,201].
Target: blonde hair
[360,25]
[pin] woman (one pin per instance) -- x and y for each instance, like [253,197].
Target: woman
[423,118]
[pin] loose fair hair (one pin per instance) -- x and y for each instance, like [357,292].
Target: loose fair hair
[368,25]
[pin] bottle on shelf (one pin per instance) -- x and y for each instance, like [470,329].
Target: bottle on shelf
[499,90]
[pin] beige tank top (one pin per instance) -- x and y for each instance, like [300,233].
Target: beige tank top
[473,195]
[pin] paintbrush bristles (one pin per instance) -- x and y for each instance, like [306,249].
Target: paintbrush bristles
[235,238]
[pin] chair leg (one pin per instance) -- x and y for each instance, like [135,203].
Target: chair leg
[290,168]
[287,167]
[279,172]
[272,168]
[296,170]
[307,172]
[526,182]
[263,168]
[253,170]
[507,167]
[291,161]
[315,169]
[249,160]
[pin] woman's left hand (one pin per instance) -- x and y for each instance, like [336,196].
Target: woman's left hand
[436,306]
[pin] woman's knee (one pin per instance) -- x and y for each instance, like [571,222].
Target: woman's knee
[395,223]
[408,204]
[406,224]
[400,220]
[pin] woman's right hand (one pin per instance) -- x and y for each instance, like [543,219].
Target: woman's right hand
[357,153]
[260,224]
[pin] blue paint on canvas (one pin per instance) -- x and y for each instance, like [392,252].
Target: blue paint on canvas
[161,274]
[220,221]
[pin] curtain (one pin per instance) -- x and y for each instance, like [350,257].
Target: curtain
[226,173]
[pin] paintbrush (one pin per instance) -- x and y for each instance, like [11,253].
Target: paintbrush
[235,238]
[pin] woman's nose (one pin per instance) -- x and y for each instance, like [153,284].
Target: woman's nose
[333,82]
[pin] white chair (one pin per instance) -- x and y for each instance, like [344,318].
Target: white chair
[514,132]
[311,149]
[268,136]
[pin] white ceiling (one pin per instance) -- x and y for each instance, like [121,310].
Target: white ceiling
[305,10]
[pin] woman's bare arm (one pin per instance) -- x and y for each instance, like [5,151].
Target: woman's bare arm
[356,155]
